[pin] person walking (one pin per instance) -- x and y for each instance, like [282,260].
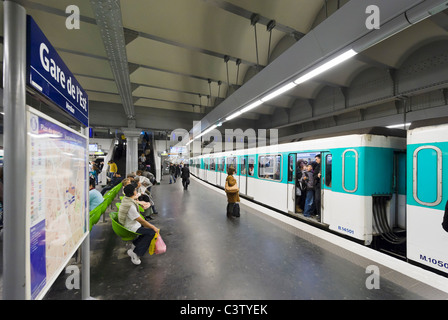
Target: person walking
[185,175]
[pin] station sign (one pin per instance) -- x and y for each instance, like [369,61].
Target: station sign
[49,75]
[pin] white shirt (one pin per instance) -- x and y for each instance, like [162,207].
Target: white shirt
[131,223]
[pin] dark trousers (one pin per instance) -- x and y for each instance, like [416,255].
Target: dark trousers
[143,241]
[317,200]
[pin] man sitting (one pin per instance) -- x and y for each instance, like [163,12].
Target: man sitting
[129,217]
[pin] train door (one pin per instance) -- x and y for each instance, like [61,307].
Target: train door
[223,172]
[251,181]
[326,181]
[218,171]
[291,185]
[243,175]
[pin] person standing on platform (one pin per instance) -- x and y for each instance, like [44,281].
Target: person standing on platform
[185,175]
[129,217]
[232,192]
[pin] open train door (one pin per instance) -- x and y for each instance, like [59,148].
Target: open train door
[325,182]
[291,186]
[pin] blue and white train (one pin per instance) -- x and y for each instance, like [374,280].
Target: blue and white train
[378,186]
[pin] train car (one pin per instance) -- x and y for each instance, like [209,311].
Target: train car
[427,193]
[362,185]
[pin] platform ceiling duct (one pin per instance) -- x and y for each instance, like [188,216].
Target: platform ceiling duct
[109,21]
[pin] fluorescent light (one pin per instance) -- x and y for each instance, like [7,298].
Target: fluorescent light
[401,125]
[330,64]
[278,92]
[209,129]
[233,116]
[251,106]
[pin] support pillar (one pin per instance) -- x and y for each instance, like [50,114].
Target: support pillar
[132,135]
[16,229]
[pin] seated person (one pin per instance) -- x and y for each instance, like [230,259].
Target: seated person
[142,200]
[116,179]
[129,217]
[146,182]
[95,197]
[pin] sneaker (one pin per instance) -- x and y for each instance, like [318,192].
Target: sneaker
[134,258]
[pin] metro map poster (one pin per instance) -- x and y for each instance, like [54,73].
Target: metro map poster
[57,199]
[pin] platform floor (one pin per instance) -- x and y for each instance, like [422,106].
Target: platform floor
[212,257]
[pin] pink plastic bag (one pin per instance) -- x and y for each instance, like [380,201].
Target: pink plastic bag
[160,245]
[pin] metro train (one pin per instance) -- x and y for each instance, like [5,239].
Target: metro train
[384,188]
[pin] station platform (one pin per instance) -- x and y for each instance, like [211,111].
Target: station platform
[261,255]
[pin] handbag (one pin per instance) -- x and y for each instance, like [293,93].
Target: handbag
[160,246]
[231,189]
[233,209]
[236,210]
[152,245]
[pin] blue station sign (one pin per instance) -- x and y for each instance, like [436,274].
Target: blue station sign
[48,74]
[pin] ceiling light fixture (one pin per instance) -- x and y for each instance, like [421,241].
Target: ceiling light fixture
[326,66]
[278,92]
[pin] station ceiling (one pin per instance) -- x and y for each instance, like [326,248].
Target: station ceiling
[168,63]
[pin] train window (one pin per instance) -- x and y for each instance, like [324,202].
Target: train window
[328,169]
[212,164]
[206,161]
[427,175]
[291,172]
[243,166]
[350,170]
[269,167]
[251,166]
[231,162]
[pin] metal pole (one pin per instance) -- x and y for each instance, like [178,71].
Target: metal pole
[15,249]
[85,247]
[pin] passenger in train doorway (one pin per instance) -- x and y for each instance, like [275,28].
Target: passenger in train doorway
[185,175]
[317,186]
[300,187]
[129,217]
[445,218]
[232,192]
[309,200]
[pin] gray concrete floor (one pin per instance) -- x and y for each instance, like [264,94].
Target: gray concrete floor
[212,257]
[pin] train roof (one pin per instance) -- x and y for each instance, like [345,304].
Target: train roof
[378,131]
[342,139]
[428,122]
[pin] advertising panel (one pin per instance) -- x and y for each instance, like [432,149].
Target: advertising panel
[57,197]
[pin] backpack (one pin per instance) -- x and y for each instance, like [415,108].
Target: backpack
[445,218]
